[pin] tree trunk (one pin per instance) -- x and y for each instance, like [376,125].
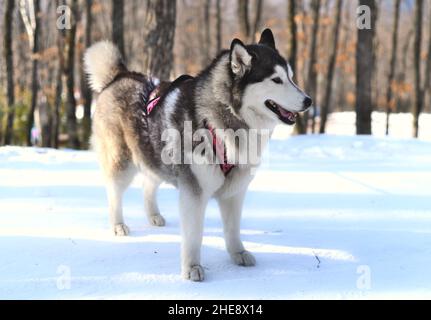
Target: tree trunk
[311,83]
[34,72]
[427,84]
[85,90]
[207,33]
[159,26]
[292,51]
[331,67]
[118,25]
[401,74]
[219,26]
[45,120]
[244,23]
[22,69]
[364,72]
[72,130]
[258,7]
[44,108]
[8,57]
[58,85]
[293,30]
[57,102]
[376,88]
[418,92]
[390,102]
[248,28]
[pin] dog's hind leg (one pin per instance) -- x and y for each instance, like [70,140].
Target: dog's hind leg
[116,184]
[150,201]
[231,214]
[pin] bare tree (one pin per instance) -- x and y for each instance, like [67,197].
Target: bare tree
[58,91]
[311,83]
[331,67]
[292,51]
[427,84]
[364,72]
[8,57]
[23,68]
[244,23]
[207,32]
[58,84]
[72,130]
[85,90]
[375,87]
[43,117]
[405,49]
[118,25]
[159,26]
[391,76]
[418,91]
[293,34]
[249,27]
[258,10]
[219,26]
[31,19]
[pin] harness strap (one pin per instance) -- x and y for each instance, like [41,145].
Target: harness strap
[152,104]
[220,150]
[219,147]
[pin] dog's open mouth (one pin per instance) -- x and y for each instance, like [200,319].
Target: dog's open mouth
[284,115]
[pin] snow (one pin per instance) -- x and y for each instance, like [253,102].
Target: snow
[344,123]
[339,217]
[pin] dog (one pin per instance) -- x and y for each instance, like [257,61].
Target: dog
[140,122]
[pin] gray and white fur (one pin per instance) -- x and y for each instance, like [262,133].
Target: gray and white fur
[246,87]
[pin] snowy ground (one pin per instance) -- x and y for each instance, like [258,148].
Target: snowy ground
[344,123]
[360,205]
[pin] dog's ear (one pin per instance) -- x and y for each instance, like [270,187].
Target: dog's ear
[267,38]
[240,59]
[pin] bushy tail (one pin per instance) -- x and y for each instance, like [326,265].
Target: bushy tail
[102,61]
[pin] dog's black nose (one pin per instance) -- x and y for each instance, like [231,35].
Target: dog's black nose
[308,102]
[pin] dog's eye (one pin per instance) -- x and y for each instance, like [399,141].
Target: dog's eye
[277,80]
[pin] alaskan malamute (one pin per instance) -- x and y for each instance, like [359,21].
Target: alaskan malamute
[176,132]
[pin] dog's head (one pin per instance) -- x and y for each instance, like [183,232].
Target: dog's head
[263,87]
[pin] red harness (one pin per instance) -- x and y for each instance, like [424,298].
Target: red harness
[152,104]
[219,147]
[153,100]
[220,150]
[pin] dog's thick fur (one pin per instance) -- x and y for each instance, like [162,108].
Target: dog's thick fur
[246,87]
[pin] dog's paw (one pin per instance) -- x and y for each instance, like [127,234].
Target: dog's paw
[245,259]
[157,220]
[194,273]
[121,230]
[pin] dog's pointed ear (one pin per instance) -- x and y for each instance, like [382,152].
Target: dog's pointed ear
[240,59]
[267,38]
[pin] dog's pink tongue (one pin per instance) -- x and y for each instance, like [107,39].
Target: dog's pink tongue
[287,114]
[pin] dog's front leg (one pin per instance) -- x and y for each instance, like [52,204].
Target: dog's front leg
[192,210]
[231,209]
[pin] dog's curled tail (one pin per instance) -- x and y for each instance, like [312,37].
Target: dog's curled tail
[102,63]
